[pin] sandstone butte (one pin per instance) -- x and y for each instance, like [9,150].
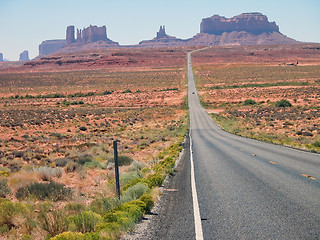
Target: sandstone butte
[243,29]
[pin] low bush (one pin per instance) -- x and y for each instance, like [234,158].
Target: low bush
[102,205]
[126,215]
[8,211]
[71,167]
[249,102]
[44,191]
[283,103]
[123,160]
[4,189]
[316,144]
[85,221]
[134,192]
[61,162]
[155,180]
[165,165]
[94,164]
[147,199]
[51,220]
[83,128]
[74,208]
[4,172]
[47,173]
[83,159]
[77,236]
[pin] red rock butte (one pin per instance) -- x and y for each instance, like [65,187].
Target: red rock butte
[244,29]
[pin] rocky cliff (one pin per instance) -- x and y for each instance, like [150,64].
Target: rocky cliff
[70,35]
[243,29]
[50,46]
[1,57]
[162,40]
[87,38]
[24,56]
[255,23]
[92,34]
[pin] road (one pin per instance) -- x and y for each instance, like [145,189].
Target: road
[230,187]
[247,189]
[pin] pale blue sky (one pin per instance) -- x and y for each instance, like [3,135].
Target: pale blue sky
[24,24]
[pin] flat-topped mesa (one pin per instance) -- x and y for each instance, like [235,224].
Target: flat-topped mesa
[50,46]
[162,32]
[255,23]
[86,35]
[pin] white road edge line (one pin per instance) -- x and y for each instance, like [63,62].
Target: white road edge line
[196,210]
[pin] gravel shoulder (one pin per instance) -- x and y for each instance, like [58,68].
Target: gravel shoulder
[172,217]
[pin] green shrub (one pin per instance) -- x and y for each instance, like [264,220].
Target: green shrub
[4,172]
[51,220]
[147,199]
[94,164]
[4,189]
[86,221]
[77,236]
[74,208]
[283,103]
[134,192]
[164,165]
[316,144]
[107,92]
[129,176]
[61,162]
[44,191]
[102,205]
[127,214]
[123,160]
[83,159]
[155,180]
[8,210]
[249,102]
[83,128]
[133,182]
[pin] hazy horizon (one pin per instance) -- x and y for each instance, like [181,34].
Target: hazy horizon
[25,24]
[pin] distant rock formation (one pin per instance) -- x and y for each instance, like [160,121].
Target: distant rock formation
[1,57]
[162,32]
[24,56]
[50,46]
[255,23]
[239,38]
[244,29]
[90,37]
[70,35]
[92,34]
[162,40]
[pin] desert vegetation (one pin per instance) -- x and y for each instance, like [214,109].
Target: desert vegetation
[56,154]
[267,93]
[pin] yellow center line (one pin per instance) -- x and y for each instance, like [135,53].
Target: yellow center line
[272,162]
[305,175]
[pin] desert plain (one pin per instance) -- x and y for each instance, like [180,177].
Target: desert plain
[59,116]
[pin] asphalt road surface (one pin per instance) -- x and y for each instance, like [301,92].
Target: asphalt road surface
[236,188]
[247,189]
